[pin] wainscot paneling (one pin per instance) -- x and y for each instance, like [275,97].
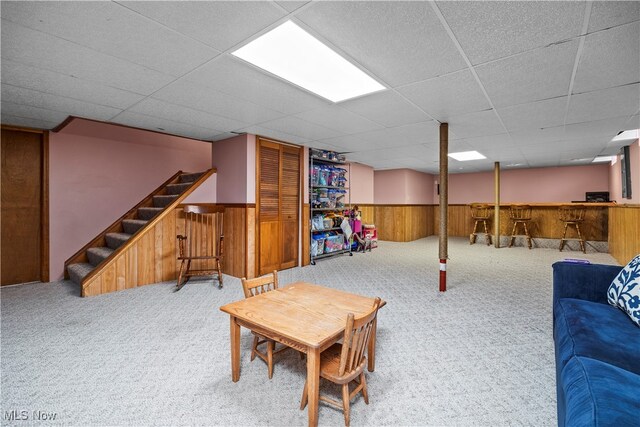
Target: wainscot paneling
[403,223]
[624,232]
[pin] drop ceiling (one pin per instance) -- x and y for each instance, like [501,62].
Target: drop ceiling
[526,83]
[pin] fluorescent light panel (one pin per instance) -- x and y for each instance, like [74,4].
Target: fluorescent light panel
[602,159]
[291,53]
[464,156]
[627,135]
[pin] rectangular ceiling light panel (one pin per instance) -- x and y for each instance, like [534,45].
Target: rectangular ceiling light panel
[291,53]
[602,159]
[464,156]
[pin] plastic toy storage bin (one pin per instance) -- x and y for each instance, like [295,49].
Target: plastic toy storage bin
[317,245]
[333,243]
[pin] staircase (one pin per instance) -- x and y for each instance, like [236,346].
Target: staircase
[85,267]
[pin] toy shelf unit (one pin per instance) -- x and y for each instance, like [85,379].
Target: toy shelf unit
[329,201]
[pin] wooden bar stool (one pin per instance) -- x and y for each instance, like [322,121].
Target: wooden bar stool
[572,215]
[480,213]
[520,215]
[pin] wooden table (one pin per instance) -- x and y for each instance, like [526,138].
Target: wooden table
[307,317]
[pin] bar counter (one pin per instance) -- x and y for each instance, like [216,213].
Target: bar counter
[545,222]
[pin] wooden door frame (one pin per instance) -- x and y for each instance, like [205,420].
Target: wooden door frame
[44,196]
[257,186]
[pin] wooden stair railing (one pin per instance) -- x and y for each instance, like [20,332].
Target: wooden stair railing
[135,263]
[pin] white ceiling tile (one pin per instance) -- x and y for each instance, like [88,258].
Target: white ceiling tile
[399,43]
[610,58]
[339,119]
[277,135]
[214,102]
[301,128]
[237,78]
[532,76]
[107,27]
[607,128]
[347,143]
[534,115]
[178,113]
[607,14]
[418,153]
[74,107]
[447,96]
[321,145]
[605,103]
[476,124]
[633,122]
[224,135]
[416,133]
[8,119]
[220,24]
[485,143]
[291,5]
[143,121]
[534,136]
[40,50]
[16,74]
[387,108]
[31,112]
[492,30]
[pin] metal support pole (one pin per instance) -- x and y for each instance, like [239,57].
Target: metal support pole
[496,209]
[444,202]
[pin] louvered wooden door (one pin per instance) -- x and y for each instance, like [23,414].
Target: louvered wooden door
[278,206]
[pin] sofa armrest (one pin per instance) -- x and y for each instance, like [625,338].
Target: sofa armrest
[582,281]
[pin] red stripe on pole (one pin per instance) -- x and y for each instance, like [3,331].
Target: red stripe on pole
[443,275]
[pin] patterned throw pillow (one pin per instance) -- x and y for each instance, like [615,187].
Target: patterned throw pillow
[624,291]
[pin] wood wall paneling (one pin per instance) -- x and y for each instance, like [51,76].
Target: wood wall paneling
[306,255]
[250,268]
[402,223]
[624,232]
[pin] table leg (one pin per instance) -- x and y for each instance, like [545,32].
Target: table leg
[235,350]
[313,384]
[371,351]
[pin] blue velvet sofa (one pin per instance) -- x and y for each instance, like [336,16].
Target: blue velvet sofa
[597,350]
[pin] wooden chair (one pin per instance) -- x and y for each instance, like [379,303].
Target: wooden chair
[480,213]
[251,288]
[572,215]
[520,215]
[343,363]
[201,252]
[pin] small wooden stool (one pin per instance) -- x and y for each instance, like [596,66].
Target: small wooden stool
[572,215]
[480,213]
[520,215]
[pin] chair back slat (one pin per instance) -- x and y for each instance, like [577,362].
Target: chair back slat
[357,334]
[203,228]
[571,213]
[480,211]
[520,212]
[259,285]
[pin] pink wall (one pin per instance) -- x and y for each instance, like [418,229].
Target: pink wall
[97,172]
[536,185]
[235,161]
[615,178]
[361,184]
[402,187]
